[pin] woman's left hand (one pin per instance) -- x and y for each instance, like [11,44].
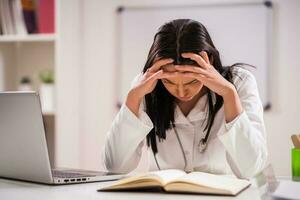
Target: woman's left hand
[206,73]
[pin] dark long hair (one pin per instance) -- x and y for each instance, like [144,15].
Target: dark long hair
[171,40]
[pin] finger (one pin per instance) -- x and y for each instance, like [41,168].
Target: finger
[200,61]
[158,64]
[168,75]
[152,77]
[185,68]
[205,57]
[160,75]
[148,74]
[199,77]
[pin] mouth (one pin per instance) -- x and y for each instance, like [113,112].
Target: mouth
[184,98]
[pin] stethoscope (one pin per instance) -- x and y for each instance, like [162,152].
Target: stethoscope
[201,148]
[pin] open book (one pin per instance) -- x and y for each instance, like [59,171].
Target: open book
[173,180]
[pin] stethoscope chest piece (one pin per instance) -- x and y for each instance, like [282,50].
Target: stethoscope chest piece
[202,145]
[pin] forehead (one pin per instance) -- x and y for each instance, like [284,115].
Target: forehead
[169,68]
[179,77]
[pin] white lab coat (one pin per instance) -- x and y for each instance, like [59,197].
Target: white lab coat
[238,147]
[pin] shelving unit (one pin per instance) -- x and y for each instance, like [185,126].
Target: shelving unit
[28,38]
[25,56]
[28,54]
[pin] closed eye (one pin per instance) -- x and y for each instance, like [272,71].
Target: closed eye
[192,82]
[167,81]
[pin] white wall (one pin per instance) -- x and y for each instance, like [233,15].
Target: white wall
[68,84]
[283,120]
[99,77]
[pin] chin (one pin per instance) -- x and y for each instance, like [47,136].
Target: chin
[185,98]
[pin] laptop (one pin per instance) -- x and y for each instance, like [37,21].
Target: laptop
[23,146]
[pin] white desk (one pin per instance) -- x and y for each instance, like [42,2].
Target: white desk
[15,190]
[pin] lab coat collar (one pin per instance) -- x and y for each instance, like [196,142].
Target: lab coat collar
[199,112]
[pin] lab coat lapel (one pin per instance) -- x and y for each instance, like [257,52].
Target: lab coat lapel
[199,112]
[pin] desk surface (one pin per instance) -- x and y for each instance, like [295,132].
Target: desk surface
[15,190]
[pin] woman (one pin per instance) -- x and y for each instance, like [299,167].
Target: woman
[191,112]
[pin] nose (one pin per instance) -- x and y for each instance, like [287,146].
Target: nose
[181,90]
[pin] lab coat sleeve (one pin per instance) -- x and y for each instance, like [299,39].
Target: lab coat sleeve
[125,139]
[244,138]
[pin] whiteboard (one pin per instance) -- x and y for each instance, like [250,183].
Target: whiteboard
[241,32]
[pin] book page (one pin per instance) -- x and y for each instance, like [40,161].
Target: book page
[149,179]
[222,182]
[167,175]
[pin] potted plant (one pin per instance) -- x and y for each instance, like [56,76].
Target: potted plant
[47,91]
[25,84]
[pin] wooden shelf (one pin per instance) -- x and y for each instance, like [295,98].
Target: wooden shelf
[28,38]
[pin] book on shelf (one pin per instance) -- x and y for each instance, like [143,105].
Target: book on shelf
[7,23]
[20,17]
[178,181]
[29,14]
[46,16]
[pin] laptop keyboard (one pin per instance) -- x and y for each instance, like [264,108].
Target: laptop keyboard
[69,174]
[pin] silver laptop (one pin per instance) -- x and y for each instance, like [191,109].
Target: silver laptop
[23,147]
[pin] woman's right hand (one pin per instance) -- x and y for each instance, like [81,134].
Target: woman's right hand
[147,84]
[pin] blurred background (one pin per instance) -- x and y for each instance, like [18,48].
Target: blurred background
[69,51]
